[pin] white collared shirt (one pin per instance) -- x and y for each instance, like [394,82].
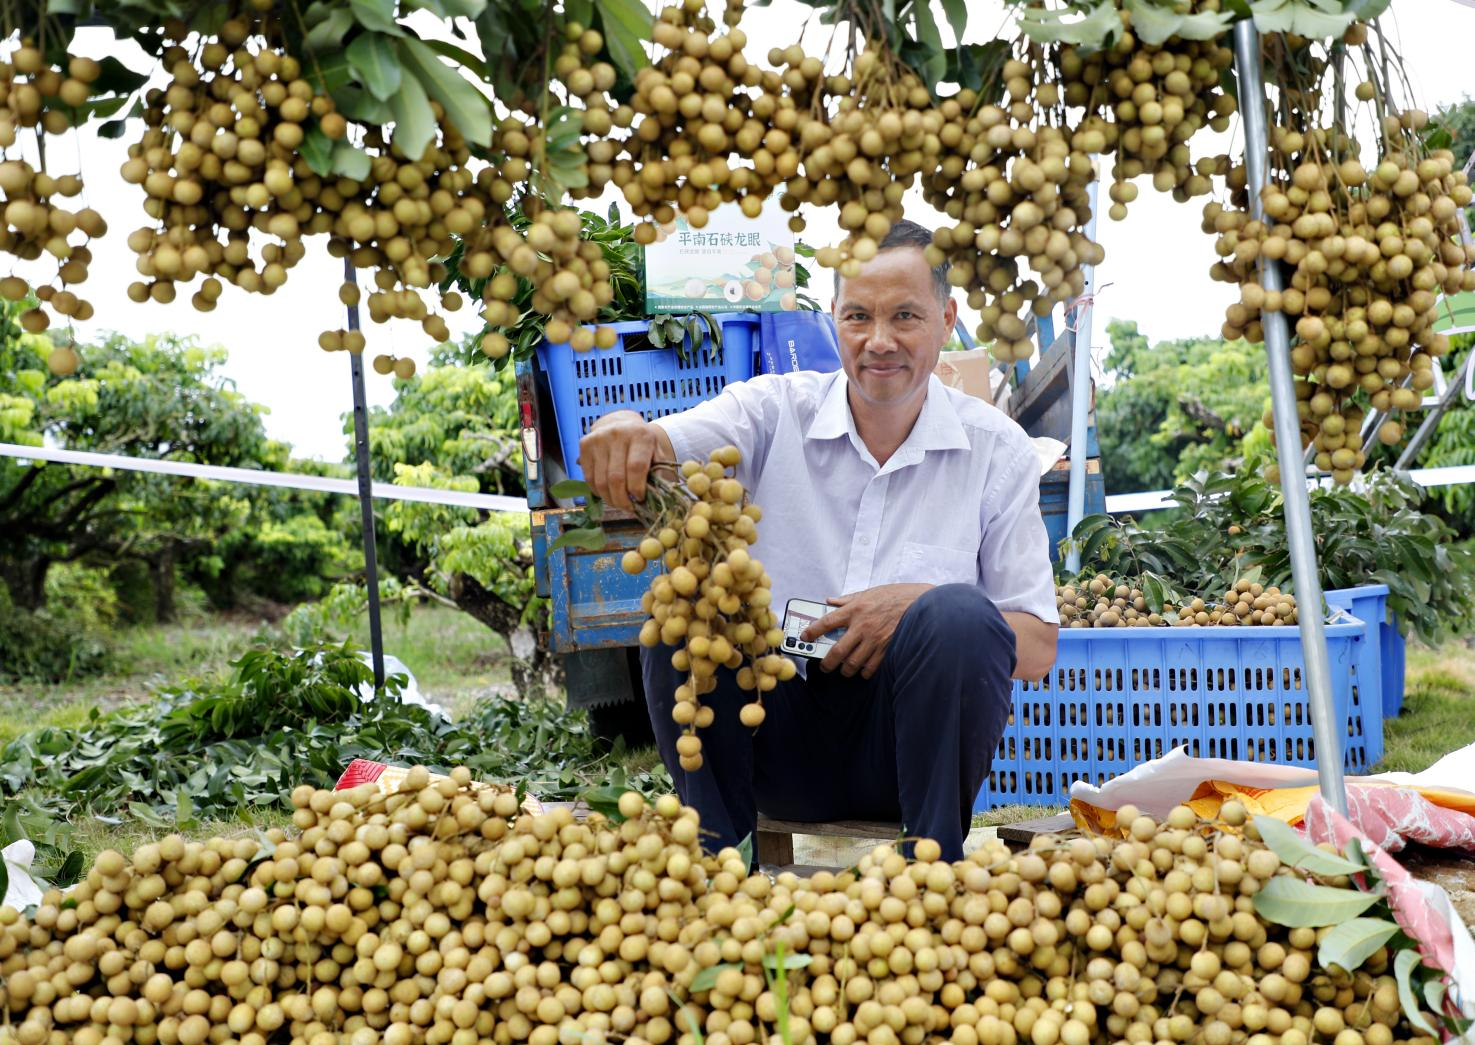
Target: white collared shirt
[958,502]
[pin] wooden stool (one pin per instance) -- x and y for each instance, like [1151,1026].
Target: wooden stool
[1019,835]
[776,837]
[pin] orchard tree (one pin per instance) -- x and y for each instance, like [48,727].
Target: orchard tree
[164,398]
[455,427]
[1176,407]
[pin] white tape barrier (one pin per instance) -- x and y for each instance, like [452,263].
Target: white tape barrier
[255,477]
[1150,501]
[1116,504]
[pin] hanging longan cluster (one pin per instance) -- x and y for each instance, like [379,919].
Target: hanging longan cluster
[1016,183]
[1143,104]
[713,601]
[441,914]
[1104,603]
[1367,252]
[865,138]
[693,114]
[569,276]
[35,222]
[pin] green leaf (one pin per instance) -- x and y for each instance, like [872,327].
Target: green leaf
[956,12]
[745,849]
[4,880]
[71,868]
[627,24]
[372,58]
[1273,16]
[927,56]
[1292,902]
[184,808]
[1206,25]
[790,961]
[350,162]
[450,8]
[1152,24]
[570,488]
[1099,28]
[656,333]
[590,538]
[466,107]
[1353,942]
[317,150]
[459,55]
[1293,849]
[414,120]
[1434,990]
[707,978]
[375,15]
[1403,967]
[358,104]
[328,34]
[1320,26]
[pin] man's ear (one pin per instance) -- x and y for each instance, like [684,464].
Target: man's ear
[950,316]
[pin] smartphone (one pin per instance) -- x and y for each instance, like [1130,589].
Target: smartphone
[800,614]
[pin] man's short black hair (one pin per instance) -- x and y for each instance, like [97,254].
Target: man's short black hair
[907,233]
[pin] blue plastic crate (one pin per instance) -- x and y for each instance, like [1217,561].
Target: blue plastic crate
[1369,602]
[632,375]
[1376,671]
[1119,697]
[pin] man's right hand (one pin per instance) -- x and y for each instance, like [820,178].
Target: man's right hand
[617,455]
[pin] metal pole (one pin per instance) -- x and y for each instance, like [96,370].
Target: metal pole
[1080,403]
[1431,420]
[1318,676]
[366,499]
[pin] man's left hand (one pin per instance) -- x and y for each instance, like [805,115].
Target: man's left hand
[870,618]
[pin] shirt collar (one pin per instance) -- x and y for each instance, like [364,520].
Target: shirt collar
[937,427]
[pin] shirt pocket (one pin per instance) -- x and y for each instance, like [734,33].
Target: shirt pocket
[936,564]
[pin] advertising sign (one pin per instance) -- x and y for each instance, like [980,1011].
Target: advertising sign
[733,262]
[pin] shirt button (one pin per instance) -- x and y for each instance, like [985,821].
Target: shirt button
[865,540]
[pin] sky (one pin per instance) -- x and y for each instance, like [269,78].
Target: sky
[1155,272]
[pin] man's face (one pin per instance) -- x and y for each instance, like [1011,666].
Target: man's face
[891,327]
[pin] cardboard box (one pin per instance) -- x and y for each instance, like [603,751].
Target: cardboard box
[969,371]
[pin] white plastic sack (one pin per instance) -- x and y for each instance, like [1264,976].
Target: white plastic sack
[1047,451]
[410,694]
[23,891]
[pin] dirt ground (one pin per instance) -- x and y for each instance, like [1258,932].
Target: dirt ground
[1455,872]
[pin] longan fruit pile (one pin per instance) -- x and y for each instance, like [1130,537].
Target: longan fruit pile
[713,600]
[34,96]
[440,913]
[1101,602]
[1368,252]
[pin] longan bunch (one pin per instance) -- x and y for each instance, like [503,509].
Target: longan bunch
[1367,252]
[1143,103]
[1102,602]
[1016,183]
[441,912]
[36,222]
[569,277]
[865,138]
[714,599]
[694,116]
[232,198]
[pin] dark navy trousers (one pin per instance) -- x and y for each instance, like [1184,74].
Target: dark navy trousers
[913,743]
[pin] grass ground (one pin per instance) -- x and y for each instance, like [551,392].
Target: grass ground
[1438,713]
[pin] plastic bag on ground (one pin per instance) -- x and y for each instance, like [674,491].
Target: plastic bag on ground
[22,892]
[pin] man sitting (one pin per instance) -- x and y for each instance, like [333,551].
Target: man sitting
[913,510]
